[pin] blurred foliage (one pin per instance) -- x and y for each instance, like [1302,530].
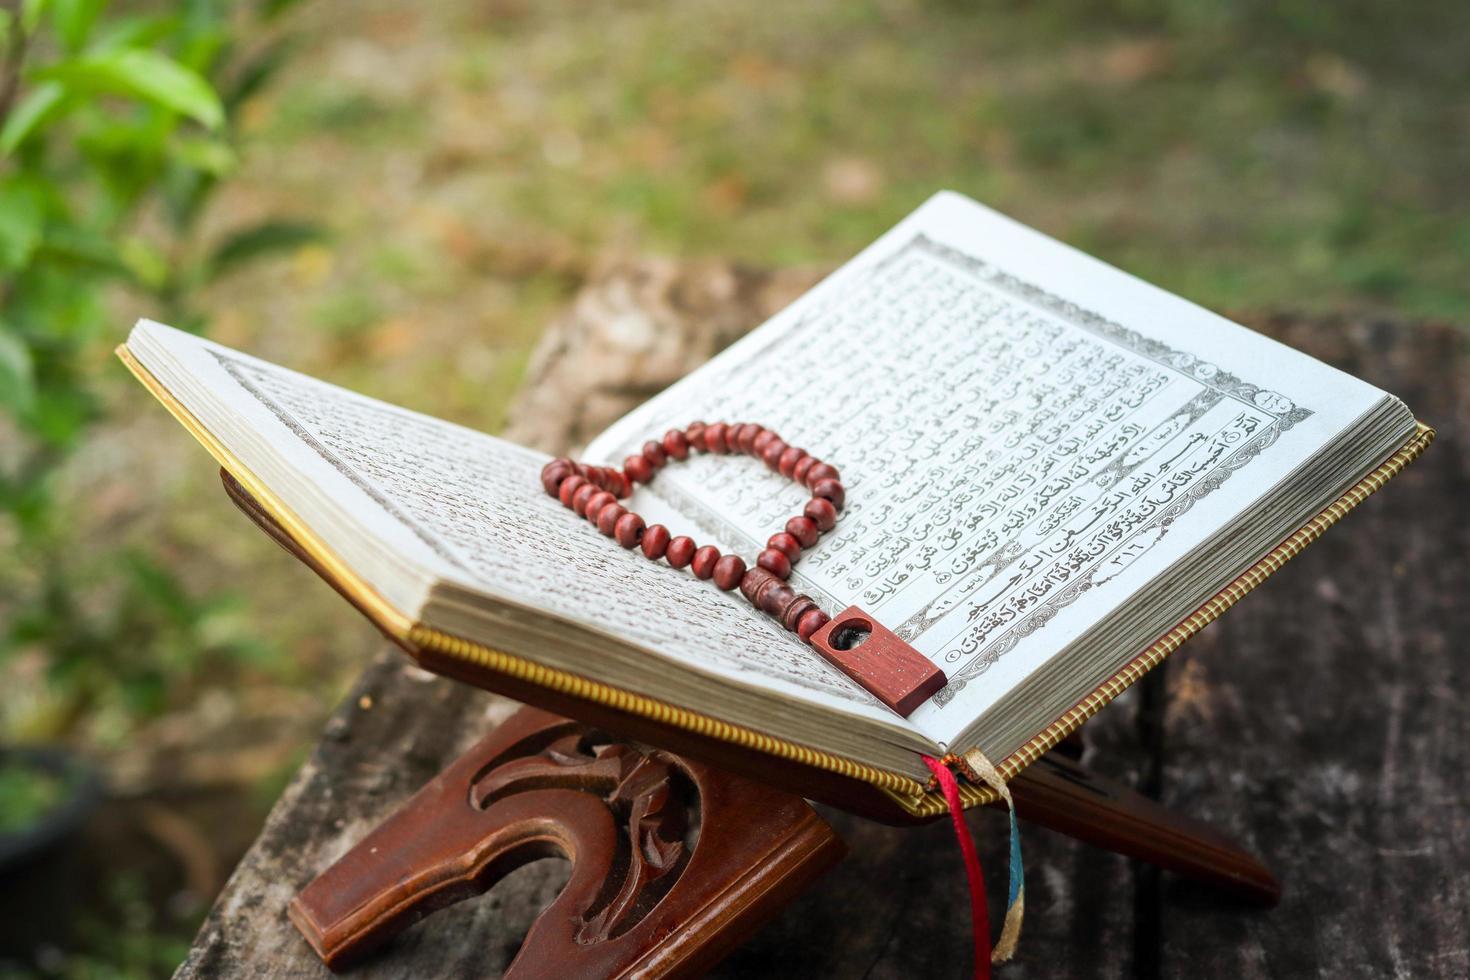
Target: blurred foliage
[116,128]
[126,937]
[27,793]
[1246,154]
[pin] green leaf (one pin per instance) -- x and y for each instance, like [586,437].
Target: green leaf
[74,19]
[17,372]
[146,263]
[22,220]
[29,113]
[271,9]
[214,157]
[61,413]
[132,32]
[145,74]
[201,46]
[85,248]
[261,240]
[255,72]
[159,588]
[30,14]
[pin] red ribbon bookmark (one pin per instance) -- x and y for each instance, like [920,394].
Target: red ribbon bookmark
[979,908]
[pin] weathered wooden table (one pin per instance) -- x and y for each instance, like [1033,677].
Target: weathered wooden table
[1320,723]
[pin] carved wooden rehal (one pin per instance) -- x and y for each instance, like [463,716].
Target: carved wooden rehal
[673,862]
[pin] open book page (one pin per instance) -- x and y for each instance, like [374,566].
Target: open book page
[1026,435]
[468,510]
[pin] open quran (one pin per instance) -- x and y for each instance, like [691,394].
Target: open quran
[1055,473]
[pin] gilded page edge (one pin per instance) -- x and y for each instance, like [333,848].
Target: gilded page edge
[906,792]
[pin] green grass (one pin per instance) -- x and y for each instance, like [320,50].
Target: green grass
[1249,154]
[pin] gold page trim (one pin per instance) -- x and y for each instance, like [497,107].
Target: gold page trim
[933,804]
[387,617]
[660,711]
[403,628]
[907,792]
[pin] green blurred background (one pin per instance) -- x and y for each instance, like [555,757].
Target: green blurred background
[398,198]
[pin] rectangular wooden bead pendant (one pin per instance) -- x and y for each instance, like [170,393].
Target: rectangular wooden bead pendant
[881,663]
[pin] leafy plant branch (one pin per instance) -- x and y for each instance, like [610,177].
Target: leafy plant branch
[106,118]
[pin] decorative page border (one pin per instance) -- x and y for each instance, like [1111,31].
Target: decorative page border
[1197,369]
[1283,412]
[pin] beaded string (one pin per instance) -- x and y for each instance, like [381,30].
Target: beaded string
[594,491]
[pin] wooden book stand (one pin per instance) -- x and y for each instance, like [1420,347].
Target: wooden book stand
[675,861]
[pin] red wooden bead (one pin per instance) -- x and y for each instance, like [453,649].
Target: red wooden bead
[703,563]
[802,466]
[596,503]
[584,494]
[811,621]
[617,484]
[745,436]
[593,492]
[729,570]
[787,463]
[821,471]
[714,438]
[751,583]
[803,529]
[680,551]
[775,562]
[676,444]
[629,529]
[775,601]
[793,613]
[821,513]
[569,487]
[655,541]
[554,472]
[786,544]
[830,489]
[638,468]
[608,517]
[756,583]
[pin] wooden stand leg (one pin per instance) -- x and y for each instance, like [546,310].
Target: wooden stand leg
[673,862]
[1059,794]
[1055,793]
